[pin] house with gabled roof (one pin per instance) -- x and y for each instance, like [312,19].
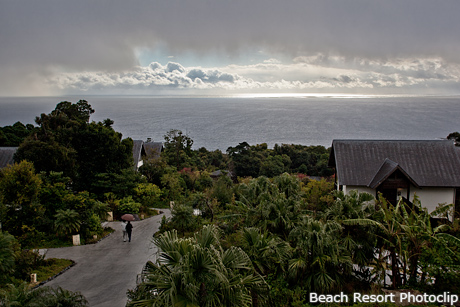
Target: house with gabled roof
[428,168]
[153,150]
[145,150]
[138,152]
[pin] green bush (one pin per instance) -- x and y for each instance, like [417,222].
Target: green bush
[128,205]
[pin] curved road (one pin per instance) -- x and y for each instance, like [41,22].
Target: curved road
[105,271]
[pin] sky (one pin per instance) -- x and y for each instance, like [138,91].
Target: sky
[216,47]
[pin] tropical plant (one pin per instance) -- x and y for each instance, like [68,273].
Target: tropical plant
[387,224]
[320,262]
[183,218]
[355,238]
[420,236]
[23,295]
[269,253]
[198,272]
[274,205]
[352,205]
[67,221]
[60,297]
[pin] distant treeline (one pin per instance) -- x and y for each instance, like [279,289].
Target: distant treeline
[258,160]
[12,136]
[243,160]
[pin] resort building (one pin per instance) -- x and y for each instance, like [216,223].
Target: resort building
[428,169]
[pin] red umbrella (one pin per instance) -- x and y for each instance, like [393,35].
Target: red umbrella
[128,217]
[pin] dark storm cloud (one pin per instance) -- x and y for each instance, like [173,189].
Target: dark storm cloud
[46,37]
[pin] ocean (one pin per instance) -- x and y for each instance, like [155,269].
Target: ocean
[220,122]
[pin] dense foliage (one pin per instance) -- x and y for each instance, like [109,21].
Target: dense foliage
[65,141]
[303,237]
[13,136]
[69,173]
[258,160]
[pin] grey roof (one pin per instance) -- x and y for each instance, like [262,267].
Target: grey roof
[386,170]
[219,173]
[153,149]
[426,163]
[137,152]
[6,156]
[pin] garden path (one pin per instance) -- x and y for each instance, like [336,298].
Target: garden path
[106,270]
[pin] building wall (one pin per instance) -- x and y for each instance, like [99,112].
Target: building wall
[361,189]
[430,198]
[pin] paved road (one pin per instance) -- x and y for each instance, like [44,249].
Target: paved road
[106,270]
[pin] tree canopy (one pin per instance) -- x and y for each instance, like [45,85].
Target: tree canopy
[66,141]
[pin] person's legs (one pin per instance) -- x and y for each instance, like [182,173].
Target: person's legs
[129,236]
[124,236]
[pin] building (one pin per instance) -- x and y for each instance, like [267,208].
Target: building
[144,151]
[6,156]
[429,169]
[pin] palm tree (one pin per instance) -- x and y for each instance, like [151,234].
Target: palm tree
[389,231]
[268,252]
[356,240]
[23,295]
[273,206]
[320,261]
[59,297]
[407,234]
[67,221]
[198,272]
[420,236]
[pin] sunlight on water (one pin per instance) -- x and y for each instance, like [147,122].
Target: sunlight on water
[313,95]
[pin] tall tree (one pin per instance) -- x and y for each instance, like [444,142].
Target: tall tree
[19,191]
[178,149]
[67,142]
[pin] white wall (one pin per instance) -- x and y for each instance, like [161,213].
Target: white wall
[361,189]
[430,198]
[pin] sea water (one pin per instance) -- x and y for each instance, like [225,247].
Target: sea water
[221,122]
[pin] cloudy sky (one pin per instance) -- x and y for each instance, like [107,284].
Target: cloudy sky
[57,47]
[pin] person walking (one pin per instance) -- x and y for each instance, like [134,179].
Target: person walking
[129,229]
[123,228]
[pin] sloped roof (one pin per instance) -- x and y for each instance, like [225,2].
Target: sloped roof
[386,170]
[6,156]
[219,173]
[427,163]
[153,149]
[137,152]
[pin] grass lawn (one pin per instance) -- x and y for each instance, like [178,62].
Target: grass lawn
[51,267]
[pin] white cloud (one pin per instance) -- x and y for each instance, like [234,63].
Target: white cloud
[97,45]
[312,73]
